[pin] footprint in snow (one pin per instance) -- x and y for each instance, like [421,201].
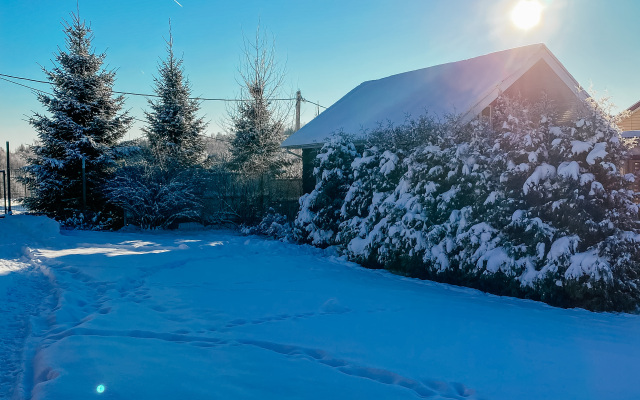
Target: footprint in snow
[333,306]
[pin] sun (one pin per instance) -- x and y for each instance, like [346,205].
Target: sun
[526,14]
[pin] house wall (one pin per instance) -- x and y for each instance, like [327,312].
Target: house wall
[308,181]
[632,122]
[541,79]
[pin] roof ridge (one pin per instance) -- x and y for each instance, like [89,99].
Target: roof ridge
[492,54]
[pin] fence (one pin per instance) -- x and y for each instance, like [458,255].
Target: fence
[228,197]
[231,198]
[19,191]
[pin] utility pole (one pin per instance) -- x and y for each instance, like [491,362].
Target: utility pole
[8,180]
[298,101]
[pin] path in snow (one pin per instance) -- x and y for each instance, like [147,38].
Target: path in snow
[215,315]
[22,291]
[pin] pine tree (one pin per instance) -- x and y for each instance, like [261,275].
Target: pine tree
[85,124]
[257,122]
[174,130]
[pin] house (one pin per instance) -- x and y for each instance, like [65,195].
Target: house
[467,88]
[632,121]
[630,127]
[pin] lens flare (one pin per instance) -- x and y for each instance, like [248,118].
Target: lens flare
[100,389]
[526,14]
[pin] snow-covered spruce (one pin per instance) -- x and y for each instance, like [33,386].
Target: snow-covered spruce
[161,184]
[523,208]
[84,125]
[174,130]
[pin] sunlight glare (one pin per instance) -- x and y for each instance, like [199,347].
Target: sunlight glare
[526,14]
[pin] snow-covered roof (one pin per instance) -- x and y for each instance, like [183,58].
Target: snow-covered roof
[463,87]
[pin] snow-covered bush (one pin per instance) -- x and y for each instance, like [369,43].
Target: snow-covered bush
[88,220]
[319,218]
[153,198]
[516,206]
[273,225]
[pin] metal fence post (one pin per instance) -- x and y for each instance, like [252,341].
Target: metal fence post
[4,190]
[8,180]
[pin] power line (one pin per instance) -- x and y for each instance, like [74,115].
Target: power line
[140,94]
[28,87]
[315,104]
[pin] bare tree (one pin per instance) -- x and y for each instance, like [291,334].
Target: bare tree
[258,121]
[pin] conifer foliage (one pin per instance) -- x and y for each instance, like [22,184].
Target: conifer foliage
[85,123]
[319,218]
[163,184]
[520,206]
[174,130]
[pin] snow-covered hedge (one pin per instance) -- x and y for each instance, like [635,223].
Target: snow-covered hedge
[519,207]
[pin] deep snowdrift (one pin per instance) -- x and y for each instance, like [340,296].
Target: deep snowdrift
[214,315]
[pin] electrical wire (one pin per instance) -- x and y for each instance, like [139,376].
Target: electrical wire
[142,94]
[315,104]
[28,87]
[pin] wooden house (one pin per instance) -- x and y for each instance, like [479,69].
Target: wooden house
[630,126]
[468,88]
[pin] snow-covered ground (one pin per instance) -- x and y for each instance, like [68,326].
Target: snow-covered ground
[214,315]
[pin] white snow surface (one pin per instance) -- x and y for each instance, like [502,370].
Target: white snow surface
[214,315]
[599,151]
[542,173]
[569,170]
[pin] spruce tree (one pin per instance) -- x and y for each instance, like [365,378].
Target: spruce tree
[85,123]
[174,130]
[163,186]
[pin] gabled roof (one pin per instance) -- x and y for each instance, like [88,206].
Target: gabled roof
[463,87]
[634,107]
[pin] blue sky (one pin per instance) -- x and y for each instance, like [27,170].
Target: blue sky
[329,46]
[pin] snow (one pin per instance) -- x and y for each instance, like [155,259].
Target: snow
[562,247]
[569,170]
[555,130]
[390,160]
[589,264]
[441,90]
[586,178]
[578,147]
[542,172]
[599,151]
[211,314]
[491,198]
[495,259]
